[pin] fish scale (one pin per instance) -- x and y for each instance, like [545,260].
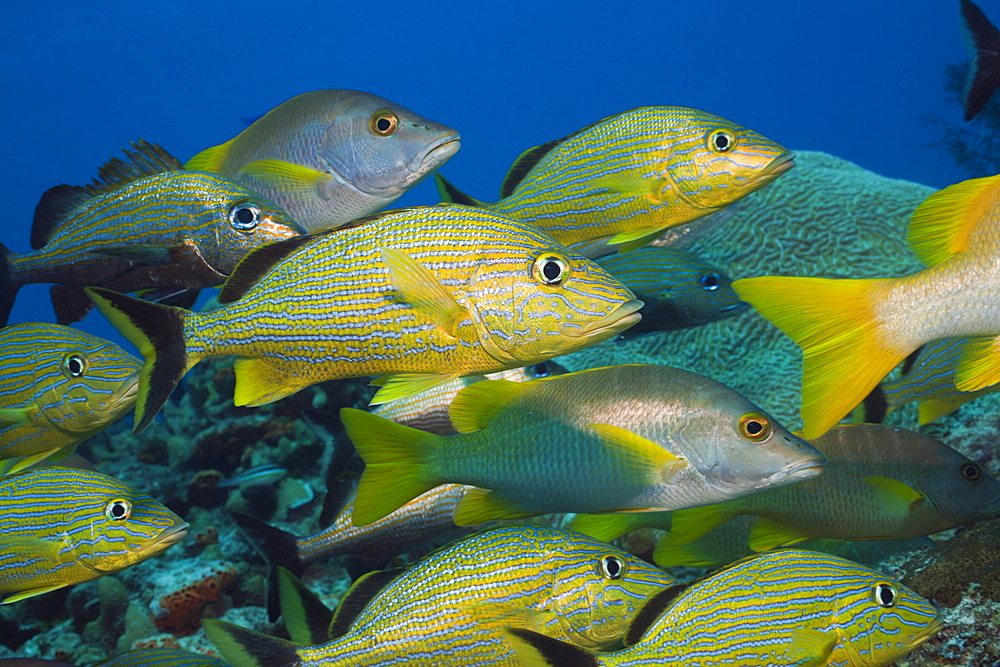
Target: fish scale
[788,607]
[461,297]
[451,607]
[43,407]
[55,529]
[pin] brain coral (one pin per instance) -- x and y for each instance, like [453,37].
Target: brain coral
[826,217]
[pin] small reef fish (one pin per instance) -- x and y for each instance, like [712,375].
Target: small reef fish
[678,290]
[853,332]
[785,608]
[60,527]
[983,42]
[451,607]
[931,382]
[428,410]
[418,296]
[262,475]
[631,176]
[58,387]
[619,438]
[878,483]
[145,225]
[159,657]
[330,156]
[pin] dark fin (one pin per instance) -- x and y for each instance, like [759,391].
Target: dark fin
[307,619]
[54,208]
[524,163]
[179,298]
[449,194]
[534,649]
[340,492]
[158,333]
[873,408]
[8,290]
[357,598]
[983,42]
[278,548]
[247,648]
[146,160]
[654,607]
[256,264]
[911,360]
[70,303]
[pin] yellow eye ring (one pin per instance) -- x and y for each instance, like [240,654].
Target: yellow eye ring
[118,509]
[384,123]
[551,269]
[721,141]
[971,472]
[74,365]
[755,426]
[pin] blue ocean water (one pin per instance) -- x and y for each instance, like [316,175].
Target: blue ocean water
[853,78]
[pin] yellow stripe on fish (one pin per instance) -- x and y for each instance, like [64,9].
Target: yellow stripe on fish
[58,387]
[418,296]
[853,332]
[60,527]
[145,225]
[788,608]
[450,608]
[631,176]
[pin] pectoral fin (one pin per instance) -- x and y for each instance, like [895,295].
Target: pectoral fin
[19,416]
[894,496]
[30,593]
[149,254]
[420,288]
[645,459]
[767,534]
[288,177]
[811,647]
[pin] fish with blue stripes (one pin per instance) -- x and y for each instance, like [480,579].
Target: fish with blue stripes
[789,608]
[620,438]
[631,176]
[331,156]
[159,657]
[417,296]
[262,475]
[58,387]
[60,526]
[878,483]
[853,332]
[146,224]
[677,289]
[451,607]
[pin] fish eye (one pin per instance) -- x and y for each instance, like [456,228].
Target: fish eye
[539,370]
[74,365]
[613,567]
[885,594]
[971,472]
[710,281]
[721,141]
[384,123]
[551,269]
[118,509]
[244,216]
[755,426]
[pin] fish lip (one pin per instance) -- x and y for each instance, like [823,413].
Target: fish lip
[736,306]
[433,155]
[617,320]
[796,472]
[167,538]
[777,167]
[126,392]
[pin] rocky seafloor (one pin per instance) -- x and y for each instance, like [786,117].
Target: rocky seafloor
[826,217]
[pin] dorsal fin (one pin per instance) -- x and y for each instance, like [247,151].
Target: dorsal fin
[357,598]
[524,163]
[146,160]
[449,194]
[306,618]
[256,264]
[55,207]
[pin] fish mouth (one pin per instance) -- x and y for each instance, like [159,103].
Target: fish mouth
[125,396]
[739,305]
[167,537]
[777,167]
[619,319]
[796,472]
[431,157]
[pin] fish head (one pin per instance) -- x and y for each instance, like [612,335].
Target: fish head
[85,383]
[124,527]
[710,162]
[598,591]
[738,448]
[382,149]
[545,302]
[957,487]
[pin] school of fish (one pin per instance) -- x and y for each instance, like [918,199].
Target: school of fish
[455,312]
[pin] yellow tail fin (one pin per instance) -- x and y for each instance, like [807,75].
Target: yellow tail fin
[844,352]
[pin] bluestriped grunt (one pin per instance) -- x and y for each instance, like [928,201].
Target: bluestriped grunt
[451,607]
[147,224]
[631,176]
[418,296]
[785,608]
[58,387]
[330,156]
[629,437]
[60,527]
